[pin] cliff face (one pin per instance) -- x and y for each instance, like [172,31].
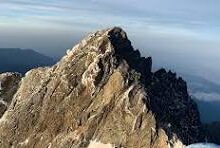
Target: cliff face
[174,110]
[101,94]
[9,83]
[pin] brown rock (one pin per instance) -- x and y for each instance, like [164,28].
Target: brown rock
[95,96]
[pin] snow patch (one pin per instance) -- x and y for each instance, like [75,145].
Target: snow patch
[3,102]
[109,48]
[97,144]
[126,98]
[25,142]
[176,144]
[142,96]
[1,86]
[27,73]
[88,77]
[153,129]
[203,145]
[68,51]
[3,119]
[49,145]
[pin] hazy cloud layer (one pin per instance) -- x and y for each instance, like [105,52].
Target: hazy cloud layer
[209,97]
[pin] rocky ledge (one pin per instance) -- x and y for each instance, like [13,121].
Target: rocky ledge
[9,83]
[101,94]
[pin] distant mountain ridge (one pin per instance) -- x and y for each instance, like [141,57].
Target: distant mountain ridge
[22,60]
[197,83]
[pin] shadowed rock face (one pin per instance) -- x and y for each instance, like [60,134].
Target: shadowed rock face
[9,83]
[175,111]
[102,93]
[213,132]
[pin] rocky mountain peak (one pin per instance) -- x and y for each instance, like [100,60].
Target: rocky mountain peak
[101,93]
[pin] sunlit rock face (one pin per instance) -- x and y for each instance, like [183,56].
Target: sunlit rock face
[9,83]
[101,93]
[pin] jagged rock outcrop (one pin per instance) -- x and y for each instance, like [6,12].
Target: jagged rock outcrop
[9,83]
[102,93]
[175,111]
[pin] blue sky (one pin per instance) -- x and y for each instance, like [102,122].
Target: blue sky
[181,34]
[189,17]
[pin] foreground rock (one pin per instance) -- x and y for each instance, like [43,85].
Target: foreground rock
[101,94]
[9,83]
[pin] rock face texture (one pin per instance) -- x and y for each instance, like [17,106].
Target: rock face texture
[9,83]
[175,111]
[101,94]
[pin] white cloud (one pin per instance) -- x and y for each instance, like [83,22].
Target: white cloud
[209,97]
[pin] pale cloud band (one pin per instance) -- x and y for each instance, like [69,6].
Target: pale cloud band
[183,16]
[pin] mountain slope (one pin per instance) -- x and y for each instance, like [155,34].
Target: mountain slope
[22,60]
[101,92]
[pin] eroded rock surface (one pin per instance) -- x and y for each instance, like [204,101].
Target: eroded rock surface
[9,83]
[102,93]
